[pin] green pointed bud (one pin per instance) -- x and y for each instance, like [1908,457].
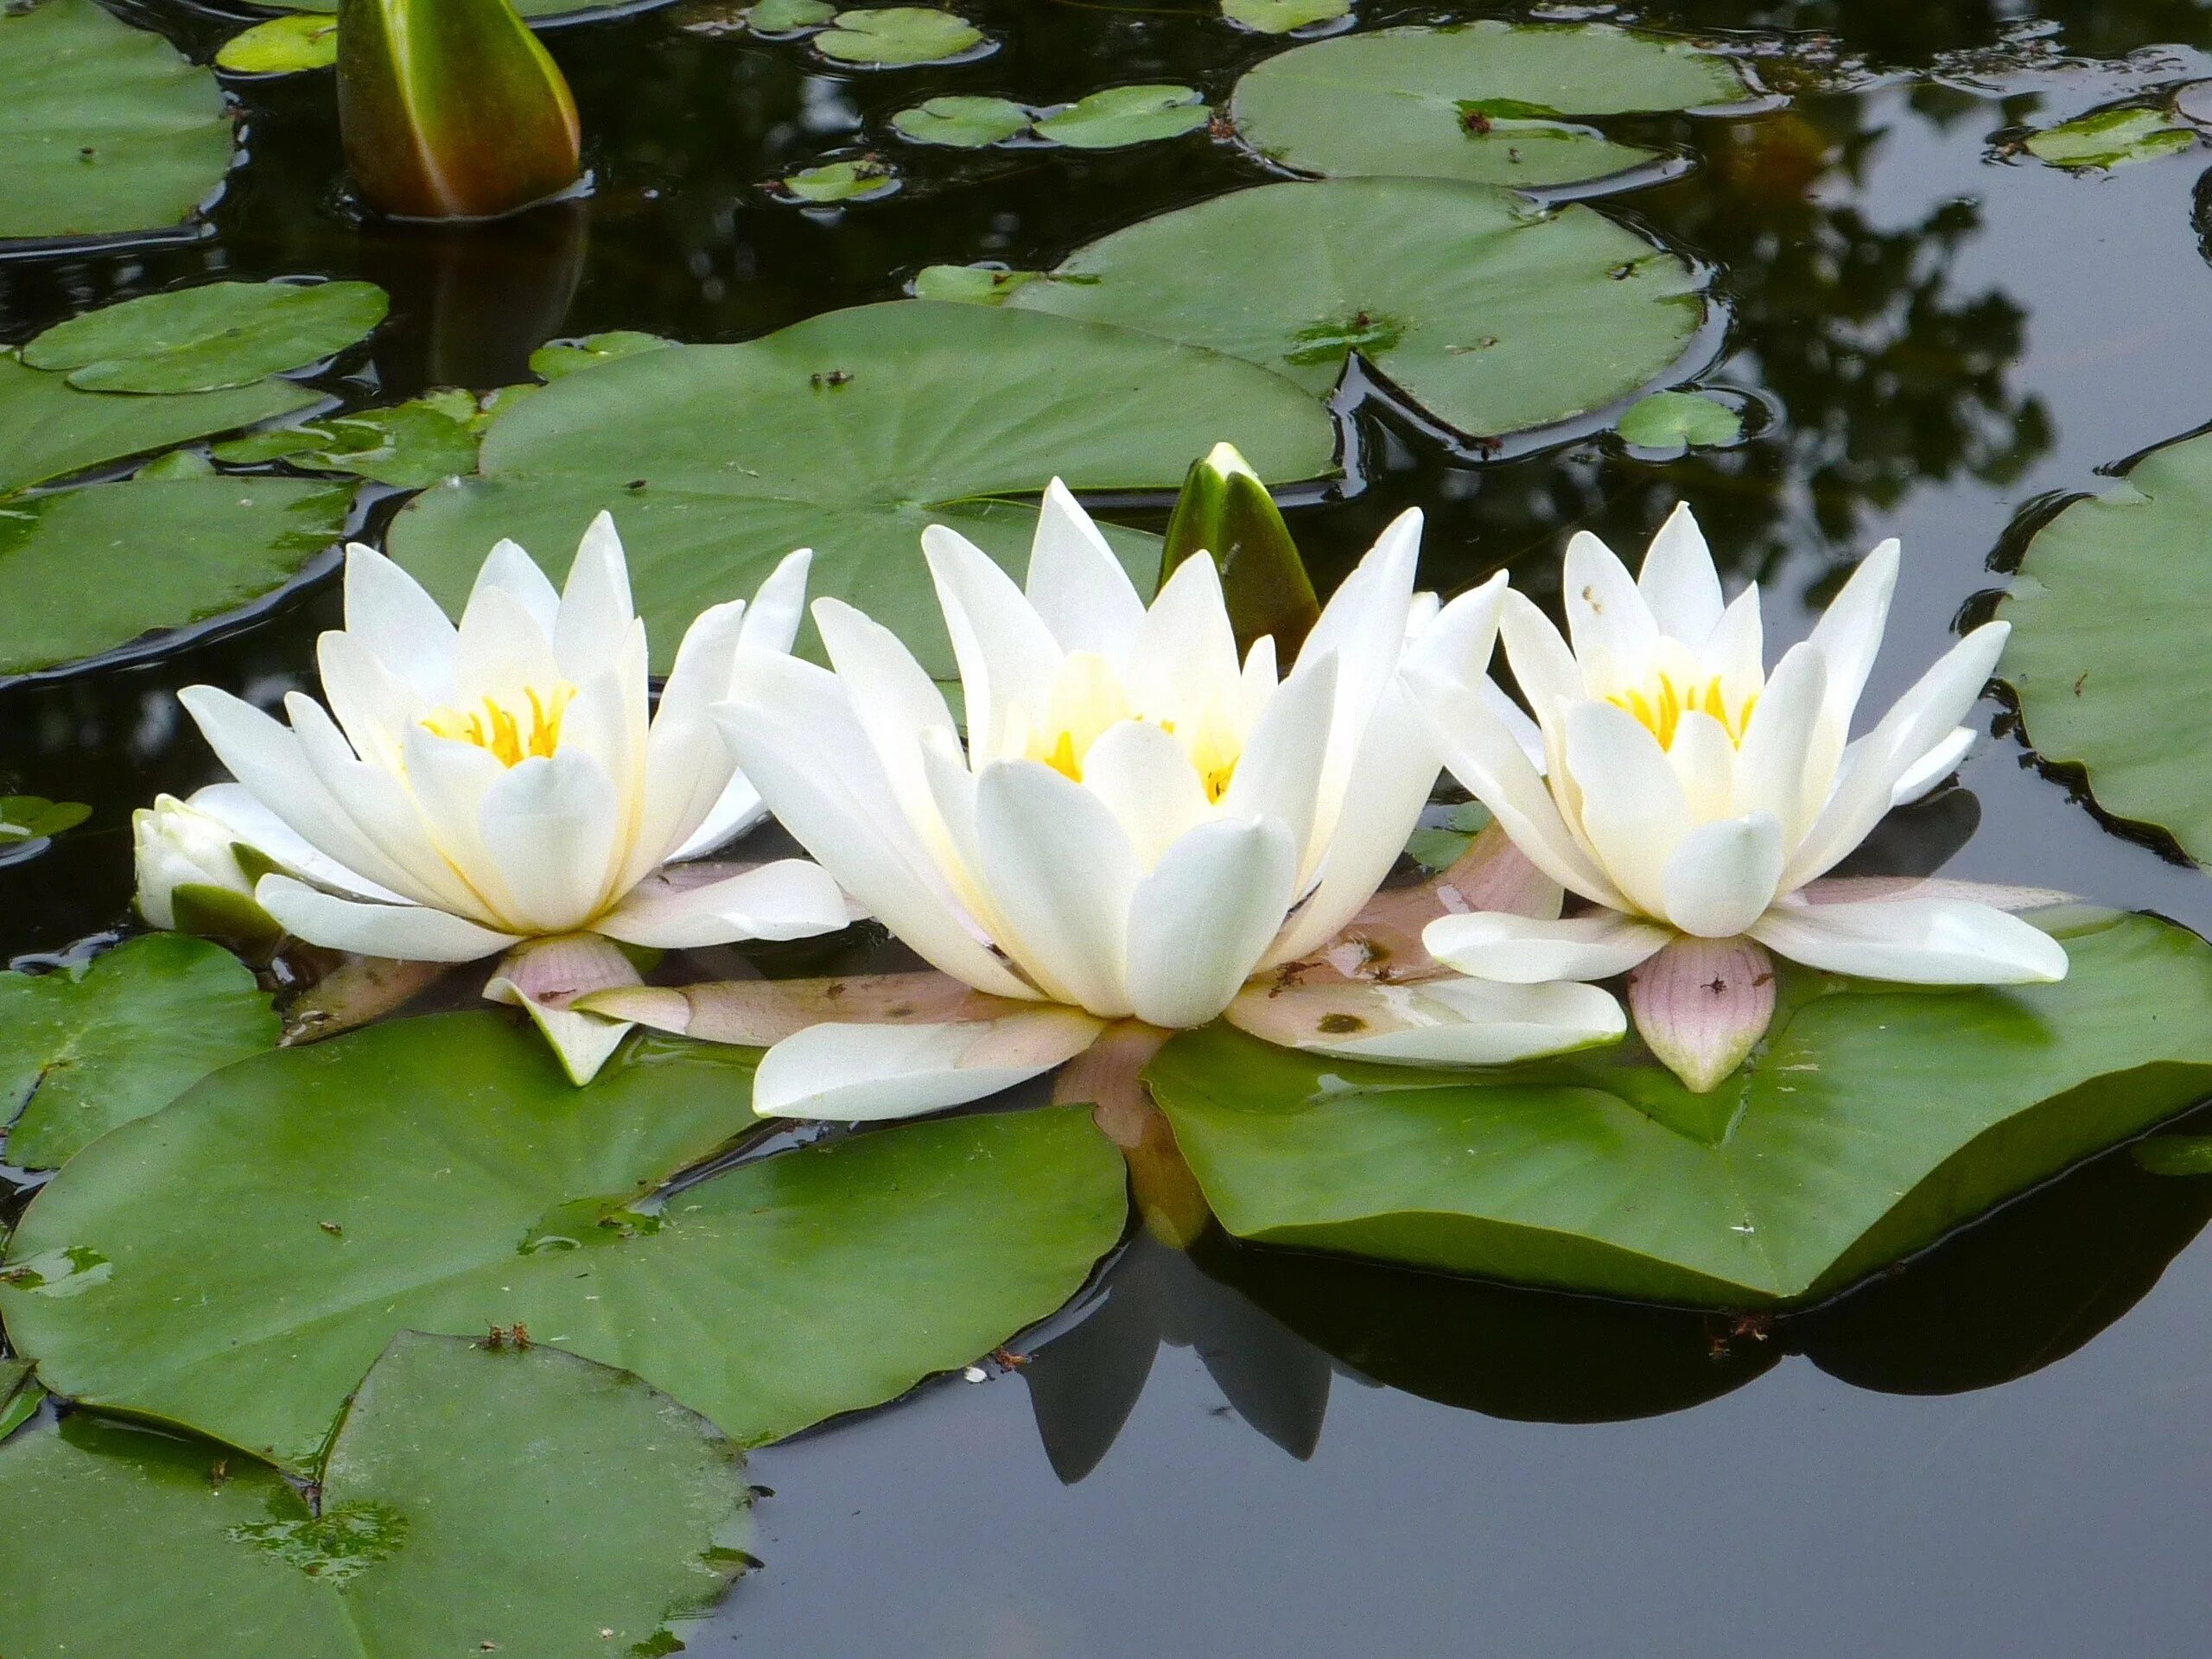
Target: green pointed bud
[1225,511]
[451,109]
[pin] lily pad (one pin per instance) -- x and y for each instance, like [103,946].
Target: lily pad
[282,45]
[530,8]
[887,37]
[840,181]
[107,128]
[1676,421]
[962,123]
[90,1047]
[208,338]
[788,17]
[1489,314]
[84,571]
[849,433]
[1488,102]
[266,1235]
[20,1394]
[2108,138]
[970,284]
[2104,655]
[33,817]
[566,357]
[1281,16]
[1873,1120]
[49,428]
[473,1501]
[1122,116]
[411,446]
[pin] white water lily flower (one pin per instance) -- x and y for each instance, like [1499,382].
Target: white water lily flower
[471,788]
[175,845]
[1138,824]
[1689,793]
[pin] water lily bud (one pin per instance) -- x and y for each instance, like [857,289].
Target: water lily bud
[1225,511]
[190,876]
[451,109]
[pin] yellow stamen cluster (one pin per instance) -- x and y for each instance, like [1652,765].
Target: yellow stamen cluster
[1660,705]
[1089,698]
[511,733]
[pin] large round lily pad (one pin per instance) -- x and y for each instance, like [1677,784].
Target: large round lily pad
[2107,651]
[1487,101]
[238,1260]
[84,571]
[1489,314]
[474,1501]
[49,428]
[1873,1120]
[83,1050]
[849,433]
[205,337]
[106,128]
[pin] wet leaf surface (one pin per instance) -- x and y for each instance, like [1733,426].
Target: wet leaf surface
[411,446]
[206,338]
[282,45]
[1127,115]
[886,37]
[2109,138]
[962,123]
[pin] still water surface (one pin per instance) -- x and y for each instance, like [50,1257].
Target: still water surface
[2006,1449]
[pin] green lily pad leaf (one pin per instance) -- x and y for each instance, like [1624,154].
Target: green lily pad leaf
[20,1394]
[2104,656]
[1127,115]
[567,357]
[962,123]
[970,284]
[108,128]
[33,817]
[49,428]
[475,1500]
[1280,16]
[1487,102]
[849,433]
[788,17]
[1488,313]
[529,8]
[1676,421]
[1438,846]
[282,45]
[84,571]
[411,446]
[88,1048]
[884,37]
[2108,138]
[208,338]
[446,1151]
[1873,1120]
[2175,1155]
[836,181]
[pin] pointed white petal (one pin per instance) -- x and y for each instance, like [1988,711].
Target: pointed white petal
[847,1073]
[1146,780]
[1704,761]
[1520,950]
[1849,634]
[509,568]
[501,650]
[1185,652]
[1678,580]
[739,810]
[1458,642]
[1200,922]
[550,827]
[1933,767]
[1007,655]
[1771,770]
[409,932]
[398,623]
[1723,874]
[1737,648]
[1703,1005]
[1078,587]
[372,705]
[1633,810]
[241,813]
[1549,676]
[543,978]
[790,898]
[771,621]
[595,612]
[1363,626]
[1060,874]
[1606,612]
[1278,776]
[890,695]
[1430,1021]
[1916,941]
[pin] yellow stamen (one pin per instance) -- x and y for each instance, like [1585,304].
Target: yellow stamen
[498,727]
[1660,705]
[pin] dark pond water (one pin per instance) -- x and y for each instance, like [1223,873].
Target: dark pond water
[2002,1449]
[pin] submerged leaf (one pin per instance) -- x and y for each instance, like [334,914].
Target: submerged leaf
[2108,138]
[563,357]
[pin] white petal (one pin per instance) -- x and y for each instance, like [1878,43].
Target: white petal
[1078,587]
[1520,950]
[509,568]
[399,623]
[1549,676]
[550,827]
[890,695]
[372,705]
[1736,650]
[847,1073]
[543,976]
[771,621]
[1849,634]
[1511,716]
[1278,776]
[1703,1005]
[1633,810]
[1606,614]
[409,932]
[1200,922]
[1771,770]
[447,781]
[1933,767]
[1008,656]
[1185,652]
[1723,874]
[1916,941]
[595,614]
[1678,580]
[1457,643]
[242,813]
[694,797]
[1703,759]
[1060,872]
[790,898]
[1432,1021]
[1363,626]
[739,809]
[1146,780]
[501,651]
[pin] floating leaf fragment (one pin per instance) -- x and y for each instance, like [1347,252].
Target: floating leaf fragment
[841,182]
[282,45]
[1677,421]
[970,284]
[208,338]
[1122,116]
[1281,16]
[962,123]
[33,817]
[410,446]
[2109,138]
[886,37]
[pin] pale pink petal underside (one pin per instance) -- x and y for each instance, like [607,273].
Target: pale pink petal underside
[1702,1005]
[1860,889]
[1383,941]
[757,1013]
